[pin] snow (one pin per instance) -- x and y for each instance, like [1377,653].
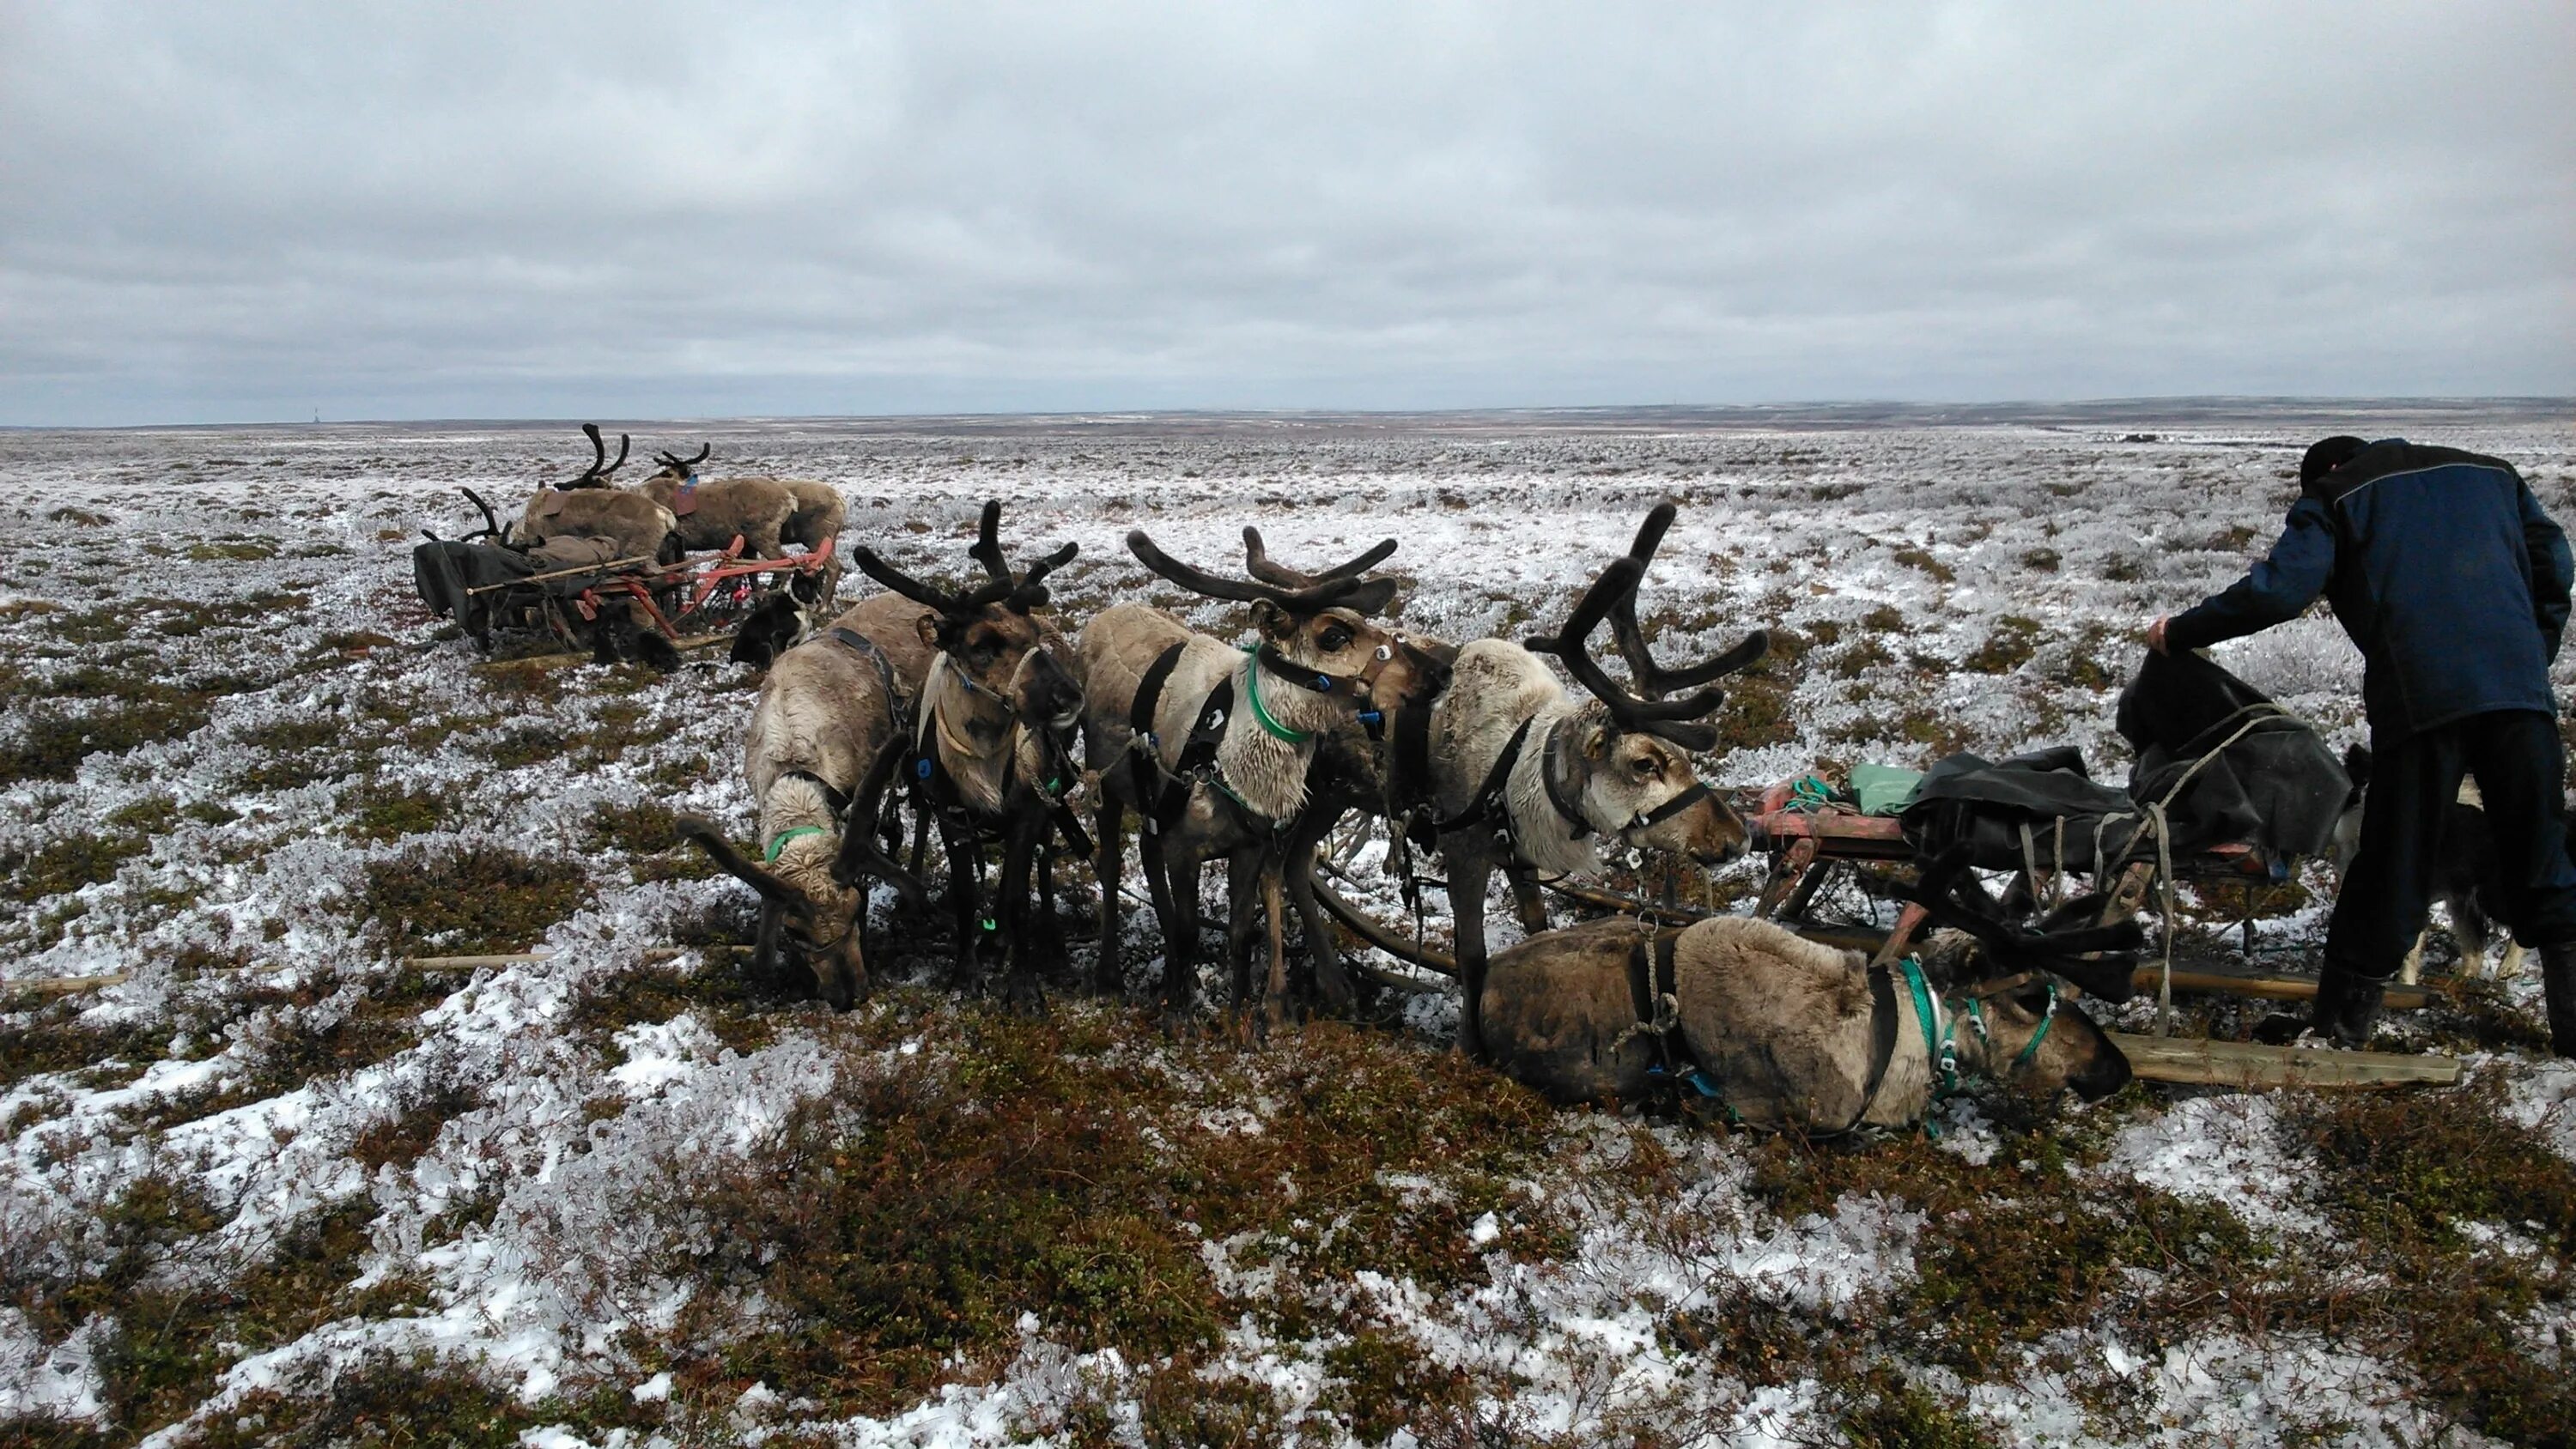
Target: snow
[1500,523]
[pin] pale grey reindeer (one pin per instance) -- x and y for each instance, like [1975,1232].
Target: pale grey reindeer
[1212,745]
[1528,777]
[1787,1034]
[588,507]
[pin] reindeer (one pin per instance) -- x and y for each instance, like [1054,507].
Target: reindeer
[1526,776]
[825,738]
[1211,745]
[713,512]
[1790,1035]
[587,507]
[991,743]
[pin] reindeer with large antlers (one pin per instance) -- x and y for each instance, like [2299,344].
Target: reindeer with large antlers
[1526,776]
[1787,1034]
[992,739]
[763,511]
[1212,745]
[587,507]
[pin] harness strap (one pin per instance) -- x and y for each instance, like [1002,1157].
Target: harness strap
[1360,689]
[779,841]
[1149,690]
[1252,696]
[1882,1034]
[1555,793]
[1697,792]
[867,649]
[1492,801]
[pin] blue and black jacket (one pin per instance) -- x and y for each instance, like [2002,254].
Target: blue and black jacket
[2440,565]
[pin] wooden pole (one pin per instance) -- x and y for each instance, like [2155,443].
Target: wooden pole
[2250,1065]
[1379,936]
[66,985]
[549,661]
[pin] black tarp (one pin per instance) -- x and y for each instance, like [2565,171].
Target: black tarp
[2272,783]
[2275,786]
[445,570]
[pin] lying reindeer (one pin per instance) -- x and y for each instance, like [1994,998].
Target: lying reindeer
[587,507]
[1526,776]
[765,512]
[1212,745]
[992,741]
[1791,1035]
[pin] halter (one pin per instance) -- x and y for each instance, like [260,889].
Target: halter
[1940,1036]
[1360,689]
[779,841]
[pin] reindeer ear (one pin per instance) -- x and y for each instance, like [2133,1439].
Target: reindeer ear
[1275,623]
[1596,742]
[927,626]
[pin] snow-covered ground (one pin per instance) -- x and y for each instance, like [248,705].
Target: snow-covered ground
[246,768]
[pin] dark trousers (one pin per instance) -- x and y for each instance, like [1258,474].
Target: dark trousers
[2521,773]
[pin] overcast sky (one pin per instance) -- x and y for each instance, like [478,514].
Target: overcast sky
[247,212]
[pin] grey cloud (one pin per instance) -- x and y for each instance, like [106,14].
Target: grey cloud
[246,211]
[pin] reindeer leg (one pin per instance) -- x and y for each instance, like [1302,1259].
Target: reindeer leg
[1180,932]
[1019,852]
[1470,870]
[1106,977]
[764,945]
[1297,877]
[1242,899]
[1525,896]
[957,842]
[1274,1007]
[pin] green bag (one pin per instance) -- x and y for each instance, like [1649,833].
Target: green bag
[1884,789]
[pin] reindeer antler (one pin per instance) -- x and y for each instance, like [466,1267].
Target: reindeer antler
[600,467]
[1365,596]
[678,464]
[1256,561]
[1667,718]
[1653,681]
[1020,594]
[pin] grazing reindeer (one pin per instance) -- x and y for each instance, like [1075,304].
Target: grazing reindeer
[712,512]
[1795,1036]
[824,740]
[587,507]
[1525,776]
[1212,745]
[992,741]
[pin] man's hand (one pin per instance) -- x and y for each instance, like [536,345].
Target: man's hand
[2156,634]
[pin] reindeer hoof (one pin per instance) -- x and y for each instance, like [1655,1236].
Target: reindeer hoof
[1023,995]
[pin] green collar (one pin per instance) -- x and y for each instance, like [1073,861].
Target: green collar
[1252,696]
[2047,1019]
[779,841]
[1939,1038]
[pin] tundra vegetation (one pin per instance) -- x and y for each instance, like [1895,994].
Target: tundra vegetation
[278,1186]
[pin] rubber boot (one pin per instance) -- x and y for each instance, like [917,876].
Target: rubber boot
[2343,1013]
[2558,989]
[2346,1016]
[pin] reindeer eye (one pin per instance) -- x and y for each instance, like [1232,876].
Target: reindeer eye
[1334,639]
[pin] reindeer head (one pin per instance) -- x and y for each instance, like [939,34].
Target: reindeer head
[1315,626]
[818,910]
[2030,1035]
[674,469]
[993,635]
[1634,748]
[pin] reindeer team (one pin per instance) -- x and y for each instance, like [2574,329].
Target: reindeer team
[992,722]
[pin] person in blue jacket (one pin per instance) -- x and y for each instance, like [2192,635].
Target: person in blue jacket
[2444,570]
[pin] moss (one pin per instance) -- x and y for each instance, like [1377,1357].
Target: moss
[1882,1411]
[899,1231]
[241,550]
[469,899]
[2014,640]
[70,862]
[2040,560]
[1915,556]
[1863,656]
[1883,619]
[381,811]
[56,743]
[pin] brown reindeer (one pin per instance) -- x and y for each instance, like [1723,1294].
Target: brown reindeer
[1787,1034]
[587,507]
[1526,777]
[714,511]
[998,711]
[1211,745]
